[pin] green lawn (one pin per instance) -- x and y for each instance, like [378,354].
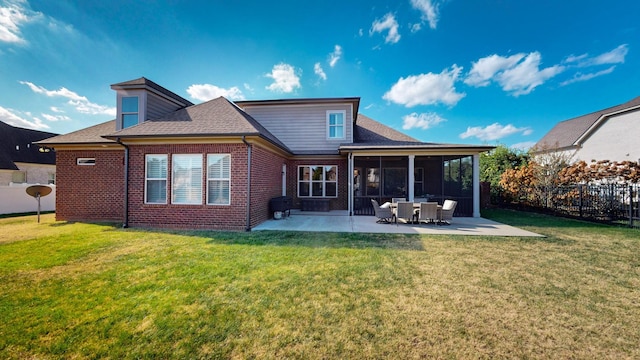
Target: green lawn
[74,290]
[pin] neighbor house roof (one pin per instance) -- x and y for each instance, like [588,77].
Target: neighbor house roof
[217,117]
[144,83]
[16,146]
[567,133]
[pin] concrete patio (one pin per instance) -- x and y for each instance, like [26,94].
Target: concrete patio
[340,221]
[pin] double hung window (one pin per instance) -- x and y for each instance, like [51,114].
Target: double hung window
[129,111]
[155,179]
[218,179]
[335,124]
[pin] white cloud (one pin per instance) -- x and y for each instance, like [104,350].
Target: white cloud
[54,118]
[86,107]
[12,16]
[426,89]
[483,70]
[56,109]
[206,92]
[317,69]
[81,103]
[577,77]
[9,117]
[518,74]
[387,23]
[335,55]
[285,78]
[416,27]
[615,56]
[423,121]
[429,11]
[527,75]
[494,131]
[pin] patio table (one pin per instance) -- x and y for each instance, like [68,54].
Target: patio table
[416,209]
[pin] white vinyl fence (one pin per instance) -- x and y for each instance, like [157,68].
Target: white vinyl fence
[14,199]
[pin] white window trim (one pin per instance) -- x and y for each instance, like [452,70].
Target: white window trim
[86,161]
[173,182]
[146,180]
[344,124]
[218,179]
[323,181]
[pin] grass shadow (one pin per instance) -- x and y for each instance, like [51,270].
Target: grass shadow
[314,239]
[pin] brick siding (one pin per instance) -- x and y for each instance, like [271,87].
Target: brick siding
[96,193]
[90,192]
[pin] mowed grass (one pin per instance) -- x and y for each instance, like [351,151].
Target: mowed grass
[75,290]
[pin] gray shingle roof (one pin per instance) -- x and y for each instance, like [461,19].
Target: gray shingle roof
[15,146]
[566,133]
[370,134]
[90,135]
[217,117]
[141,83]
[368,130]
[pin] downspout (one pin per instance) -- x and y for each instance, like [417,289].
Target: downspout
[125,224]
[248,214]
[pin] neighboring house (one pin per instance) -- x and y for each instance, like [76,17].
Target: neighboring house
[609,134]
[165,162]
[21,162]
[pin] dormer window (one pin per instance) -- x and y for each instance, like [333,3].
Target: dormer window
[335,124]
[129,111]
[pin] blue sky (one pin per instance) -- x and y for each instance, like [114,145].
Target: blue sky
[454,71]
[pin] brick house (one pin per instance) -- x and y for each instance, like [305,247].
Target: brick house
[165,162]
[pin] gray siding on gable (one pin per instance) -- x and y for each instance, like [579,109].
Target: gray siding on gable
[303,128]
[158,106]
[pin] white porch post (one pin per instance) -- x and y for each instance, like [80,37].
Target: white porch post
[350,186]
[476,185]
[411,175]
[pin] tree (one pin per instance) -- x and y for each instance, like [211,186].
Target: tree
[495,162]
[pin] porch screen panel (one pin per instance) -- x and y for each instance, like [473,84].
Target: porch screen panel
[187,179]
[218,179]
[156,179]
[373,181]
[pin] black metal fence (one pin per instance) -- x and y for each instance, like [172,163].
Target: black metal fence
[610,203]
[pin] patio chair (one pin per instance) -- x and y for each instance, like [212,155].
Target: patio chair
[384,215]
[420,200]
[405,212]
[448,208]
[428,212]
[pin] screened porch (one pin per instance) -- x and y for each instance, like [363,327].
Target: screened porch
[433,177]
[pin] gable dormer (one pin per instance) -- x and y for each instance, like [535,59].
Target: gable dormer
[141,99]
